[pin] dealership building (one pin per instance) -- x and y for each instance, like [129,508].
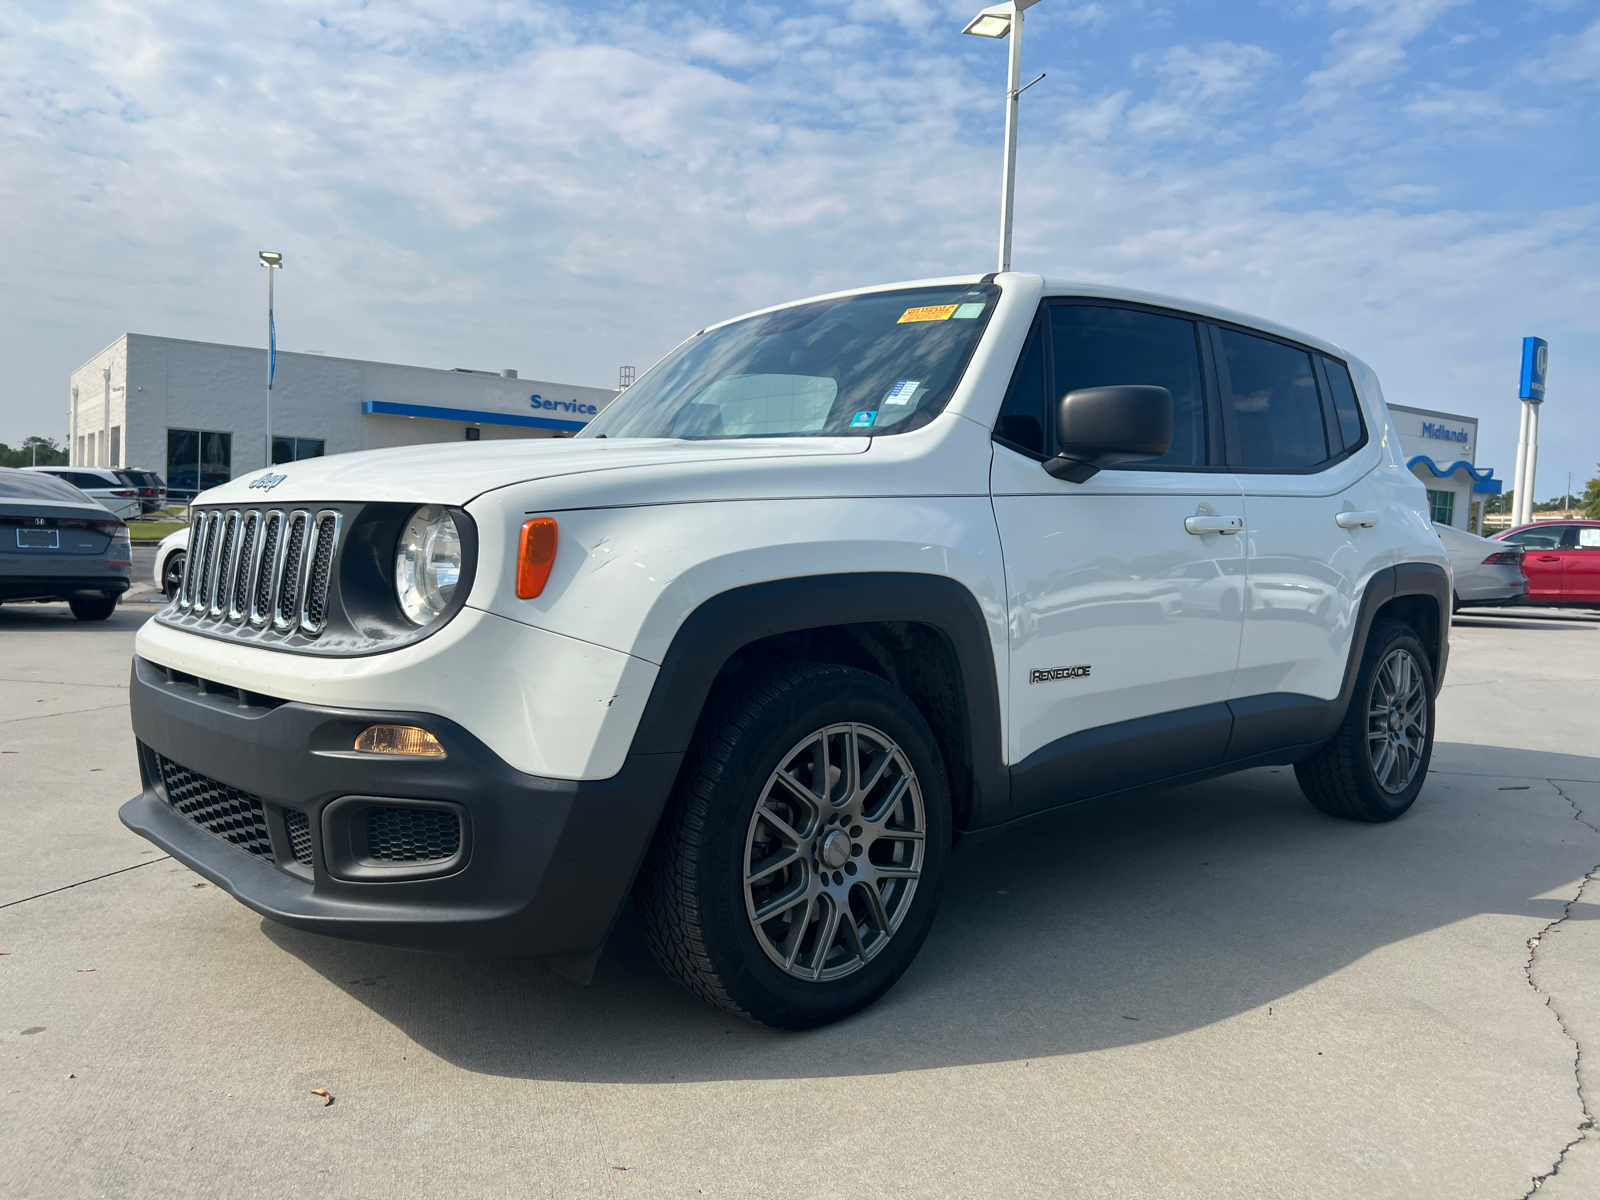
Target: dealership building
[197,411]
[1442,450]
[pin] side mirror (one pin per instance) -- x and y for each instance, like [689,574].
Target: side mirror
[1101,426]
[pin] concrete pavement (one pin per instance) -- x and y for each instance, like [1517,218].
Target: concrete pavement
[1212,992]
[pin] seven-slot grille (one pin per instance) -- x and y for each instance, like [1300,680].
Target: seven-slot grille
[261,567]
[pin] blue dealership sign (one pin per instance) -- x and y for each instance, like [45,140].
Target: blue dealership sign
[1535,362]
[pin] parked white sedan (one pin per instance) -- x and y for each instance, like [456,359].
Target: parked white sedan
[171,555]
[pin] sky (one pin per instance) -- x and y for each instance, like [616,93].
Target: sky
[566,189]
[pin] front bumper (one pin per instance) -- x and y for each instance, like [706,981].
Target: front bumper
[545,864]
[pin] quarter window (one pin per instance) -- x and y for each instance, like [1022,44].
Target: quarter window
[1345,405]
[1101,347]
[1273,392]
[1022,419]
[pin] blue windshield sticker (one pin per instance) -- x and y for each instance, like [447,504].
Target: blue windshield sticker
[968,312]
[863,419]
[902,392]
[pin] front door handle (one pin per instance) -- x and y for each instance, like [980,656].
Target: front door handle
[1199,525]
[1549,558]
[1356,520]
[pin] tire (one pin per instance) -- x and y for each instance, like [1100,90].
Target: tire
[97,609]
[1362,775]
[700,910]
[172,573]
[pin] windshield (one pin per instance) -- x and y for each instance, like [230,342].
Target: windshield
[880,363]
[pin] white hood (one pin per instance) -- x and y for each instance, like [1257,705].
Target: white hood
[456,472]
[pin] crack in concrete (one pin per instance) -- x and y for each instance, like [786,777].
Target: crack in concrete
[81,882]
[1585,1126]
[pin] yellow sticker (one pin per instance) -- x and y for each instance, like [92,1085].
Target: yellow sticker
[934,312]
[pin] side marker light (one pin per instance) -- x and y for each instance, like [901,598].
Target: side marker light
[399,739]
[535,556]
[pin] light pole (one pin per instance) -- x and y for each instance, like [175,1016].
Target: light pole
[998,21]
[273,262]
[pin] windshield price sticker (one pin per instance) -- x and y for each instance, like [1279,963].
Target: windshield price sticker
[902,392]
[933,312]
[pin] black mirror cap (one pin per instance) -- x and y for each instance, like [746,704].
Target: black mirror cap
[1101,426]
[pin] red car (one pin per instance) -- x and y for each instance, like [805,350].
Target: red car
[1562,561]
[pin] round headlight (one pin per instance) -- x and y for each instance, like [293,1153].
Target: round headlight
[427,564]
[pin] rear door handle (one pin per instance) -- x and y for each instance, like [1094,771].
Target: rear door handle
[1356,520]
[1199,525]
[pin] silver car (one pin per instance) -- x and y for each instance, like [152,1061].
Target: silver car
[58,544]
[1487,572]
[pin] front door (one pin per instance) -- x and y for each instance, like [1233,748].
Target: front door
[1124,619]
[1546,549]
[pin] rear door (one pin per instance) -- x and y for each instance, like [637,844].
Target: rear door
[1124,622]
[1295,431]
[1580,566]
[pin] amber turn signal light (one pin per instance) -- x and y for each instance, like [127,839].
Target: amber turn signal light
[535,556]
[399,739]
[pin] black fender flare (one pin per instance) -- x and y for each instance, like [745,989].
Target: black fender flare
[716,631]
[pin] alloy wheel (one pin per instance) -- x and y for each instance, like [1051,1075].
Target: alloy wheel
[1397,722]
[834,852]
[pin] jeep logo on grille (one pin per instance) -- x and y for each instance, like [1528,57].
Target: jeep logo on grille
[268,481]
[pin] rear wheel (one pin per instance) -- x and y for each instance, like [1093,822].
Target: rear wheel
[1375,765]
[797,871]
[96,609]
[172,574]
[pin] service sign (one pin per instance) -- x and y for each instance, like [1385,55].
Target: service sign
[1535,362]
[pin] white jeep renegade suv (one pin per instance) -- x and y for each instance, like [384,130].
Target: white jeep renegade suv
[833,586]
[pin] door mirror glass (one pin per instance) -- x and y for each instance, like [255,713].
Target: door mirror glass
[1100,427]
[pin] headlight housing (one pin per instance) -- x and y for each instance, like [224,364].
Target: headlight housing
[427,563]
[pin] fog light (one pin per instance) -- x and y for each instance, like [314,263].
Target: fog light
[399,739]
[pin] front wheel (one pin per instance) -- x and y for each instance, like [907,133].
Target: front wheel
[172,574]
[1375,765]
[797,871]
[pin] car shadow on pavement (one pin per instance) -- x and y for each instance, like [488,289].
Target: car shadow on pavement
[1101,925]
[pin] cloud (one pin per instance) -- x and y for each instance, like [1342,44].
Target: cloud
[1569,59]
[1373,51]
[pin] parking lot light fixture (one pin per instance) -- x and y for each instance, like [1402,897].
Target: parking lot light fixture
[998,21]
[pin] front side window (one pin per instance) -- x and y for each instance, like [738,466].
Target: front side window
[1549,537]
[879,363]
[1104,347]
[1272,389]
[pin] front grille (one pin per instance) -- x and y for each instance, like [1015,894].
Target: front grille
[235,816]
[234,572]
[298,826]
[412,834]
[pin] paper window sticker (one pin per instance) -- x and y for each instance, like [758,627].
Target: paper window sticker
[863,419]
[902,392]
[968,312]
[932,312]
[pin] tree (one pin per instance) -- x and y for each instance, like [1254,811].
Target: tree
[38,451]
[1591,497]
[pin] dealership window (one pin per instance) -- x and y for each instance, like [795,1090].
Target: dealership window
[116,446]
[80,461]
[293,449]
[197,460]
[1442,505]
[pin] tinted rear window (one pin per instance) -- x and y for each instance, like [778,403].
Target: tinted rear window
[36,485]
[1273,390]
